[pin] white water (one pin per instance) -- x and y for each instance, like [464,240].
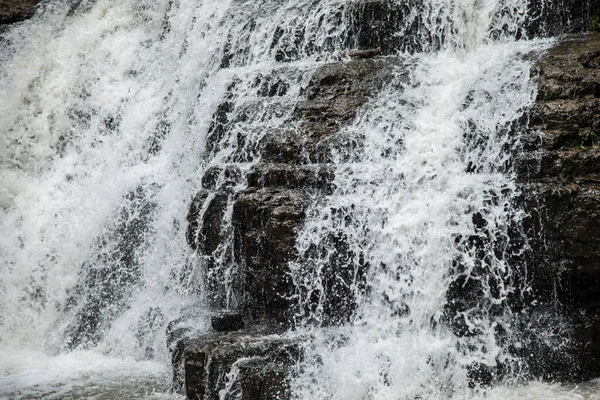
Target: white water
[104,115]
[411,202]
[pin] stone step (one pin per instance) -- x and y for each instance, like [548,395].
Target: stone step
[309,176]
[262,364]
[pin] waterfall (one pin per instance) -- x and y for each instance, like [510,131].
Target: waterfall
[111,113]
[429,195]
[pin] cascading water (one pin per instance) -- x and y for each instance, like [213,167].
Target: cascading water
[112,110]
[431,182]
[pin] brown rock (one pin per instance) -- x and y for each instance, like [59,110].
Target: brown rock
[266,223]
[12,11]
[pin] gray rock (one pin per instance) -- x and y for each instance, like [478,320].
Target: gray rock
[227,321]
[312,176]
[333,96]
[266,222]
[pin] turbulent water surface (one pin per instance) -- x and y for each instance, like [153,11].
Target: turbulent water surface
[106,113]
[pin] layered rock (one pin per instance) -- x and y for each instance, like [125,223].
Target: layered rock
[561,175]
[248,365]
[265,217]
[266,205]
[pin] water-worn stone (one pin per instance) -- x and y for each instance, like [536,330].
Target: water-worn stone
[227,321]
[205,221]
[12,11]
[312,176]
[551,18]
[203,366]
[222,177]
[266,221]
[266,218]
[336,91]
[561,185]
[334,94]
[262,380]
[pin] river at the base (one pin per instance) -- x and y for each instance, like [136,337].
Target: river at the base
[91,375]
[81,375]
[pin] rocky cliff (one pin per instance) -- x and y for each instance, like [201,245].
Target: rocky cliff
[557,171]
[561,175]
[560,191]
[295,169]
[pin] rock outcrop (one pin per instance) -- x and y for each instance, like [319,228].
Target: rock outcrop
[561,175]
[266,205]
[251,365]
[12,11]
[249,216]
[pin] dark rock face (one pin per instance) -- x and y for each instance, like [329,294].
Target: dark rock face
[265,217]
[561,17]
[333,96]
[253,365]
[312,176]
[561,176]
[266,221]
[227,322]
[12,11]
[266,205]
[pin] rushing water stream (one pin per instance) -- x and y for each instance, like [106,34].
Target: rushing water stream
[105,114]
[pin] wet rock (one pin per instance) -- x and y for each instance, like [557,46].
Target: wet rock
[12,11]
[249,364]
[283,146]
[193,322]
[360,54]
[266,217]
[205,221]
[222,177]
[389,26]
[261,380]
[336,91]
[266,222]
[193,217]
[227,321]
[333,96]
[287,176]
[107,279]
[561,186]
[556,18]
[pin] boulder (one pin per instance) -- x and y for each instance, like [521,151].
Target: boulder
[246,364]
[12,11]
